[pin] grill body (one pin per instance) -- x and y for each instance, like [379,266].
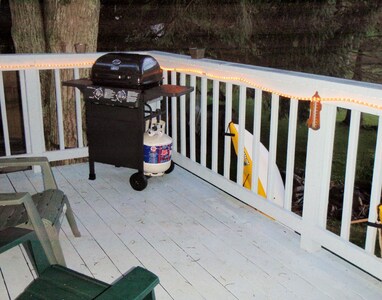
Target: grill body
[115,101]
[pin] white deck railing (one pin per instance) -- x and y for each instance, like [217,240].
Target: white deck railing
[223,92]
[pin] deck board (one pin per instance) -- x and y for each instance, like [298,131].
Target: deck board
[15,270]
[120,227]
[202,243]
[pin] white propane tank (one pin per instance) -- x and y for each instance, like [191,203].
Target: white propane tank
[157,150]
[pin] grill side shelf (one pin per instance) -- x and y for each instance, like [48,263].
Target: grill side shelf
[78,83]
[166,90]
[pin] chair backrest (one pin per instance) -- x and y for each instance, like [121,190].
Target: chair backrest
[42,162]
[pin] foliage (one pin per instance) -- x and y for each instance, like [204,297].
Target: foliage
[318,36]
[312,36]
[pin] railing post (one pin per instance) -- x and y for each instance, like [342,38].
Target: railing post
[317,178]
[33,123]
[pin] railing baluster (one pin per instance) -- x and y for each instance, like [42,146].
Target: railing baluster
[77,95]
[328,125]
[192,119]
[174,116]
[203,122]
[24,106]
[375,194]
[240,148]
[165,77]
[272,167]
[351,162]
[228,119]
[165,81]
[183,118]
[215,125]
[4,118]
[256,141]
[291,150]
[60,119]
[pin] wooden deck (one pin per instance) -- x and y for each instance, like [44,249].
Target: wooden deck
[202,243]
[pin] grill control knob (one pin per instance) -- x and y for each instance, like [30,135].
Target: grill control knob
[98,93]
[121,96]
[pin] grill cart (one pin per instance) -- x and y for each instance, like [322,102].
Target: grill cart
[120,88]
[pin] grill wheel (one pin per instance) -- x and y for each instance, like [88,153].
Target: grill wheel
[138,181]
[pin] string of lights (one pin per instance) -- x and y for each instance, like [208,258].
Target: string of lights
[46,66]
[199,72]
[266,89]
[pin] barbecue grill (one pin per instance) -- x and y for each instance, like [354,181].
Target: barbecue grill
[120,87]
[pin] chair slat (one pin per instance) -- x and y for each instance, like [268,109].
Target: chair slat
[58,282]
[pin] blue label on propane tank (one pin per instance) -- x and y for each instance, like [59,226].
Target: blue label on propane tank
[157,154]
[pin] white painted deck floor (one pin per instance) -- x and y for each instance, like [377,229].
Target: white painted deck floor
[202,243]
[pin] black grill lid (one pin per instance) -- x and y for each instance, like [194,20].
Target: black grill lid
[127,70]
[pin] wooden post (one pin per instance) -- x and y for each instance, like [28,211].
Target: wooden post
[317,178]
[32,97]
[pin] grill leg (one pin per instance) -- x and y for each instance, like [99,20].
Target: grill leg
[92,175]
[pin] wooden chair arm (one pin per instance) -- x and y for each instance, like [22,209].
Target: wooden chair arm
[136,285]
[48,179]
[12,198]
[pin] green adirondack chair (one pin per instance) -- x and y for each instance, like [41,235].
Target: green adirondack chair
[58,282]
[39,211]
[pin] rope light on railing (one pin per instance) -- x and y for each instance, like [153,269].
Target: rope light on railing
[269,90]
[47,66]
[201,73]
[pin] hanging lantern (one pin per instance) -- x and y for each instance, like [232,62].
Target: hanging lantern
[315,109]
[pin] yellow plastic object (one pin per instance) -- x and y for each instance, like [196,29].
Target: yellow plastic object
[247,171]
[379,209]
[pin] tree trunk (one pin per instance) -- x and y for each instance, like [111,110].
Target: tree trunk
[28,36]
[69,23]
[55,26]
[27,26]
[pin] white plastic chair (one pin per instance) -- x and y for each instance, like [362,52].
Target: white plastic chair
[40,212]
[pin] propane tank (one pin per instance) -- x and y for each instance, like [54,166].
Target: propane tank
[157,150]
